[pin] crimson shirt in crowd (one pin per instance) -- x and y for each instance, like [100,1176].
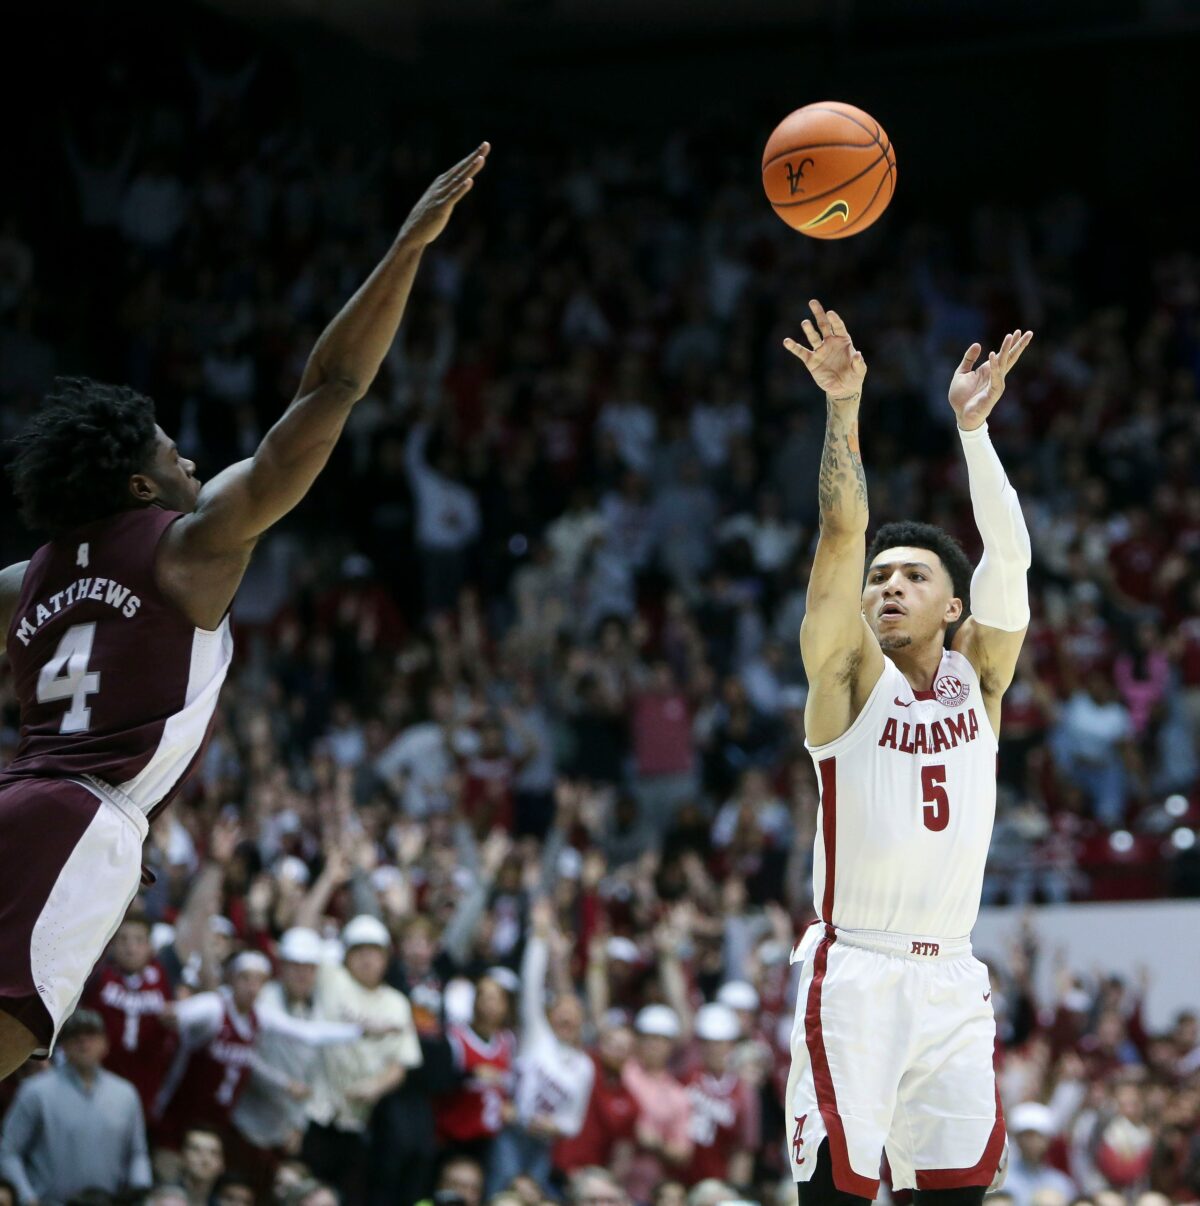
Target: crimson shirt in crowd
[139,1045]
[611,1116]
[724,1120]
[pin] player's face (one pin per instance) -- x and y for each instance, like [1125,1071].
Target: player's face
[908,598]
[171,475]
[131,947]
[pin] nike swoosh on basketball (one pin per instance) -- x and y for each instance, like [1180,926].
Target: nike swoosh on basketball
[901,704]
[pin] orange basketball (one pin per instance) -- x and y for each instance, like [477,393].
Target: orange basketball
[829,170]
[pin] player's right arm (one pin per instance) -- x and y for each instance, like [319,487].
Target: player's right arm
[204,555]
[841,656]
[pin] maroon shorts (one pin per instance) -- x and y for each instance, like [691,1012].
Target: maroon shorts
[70,863]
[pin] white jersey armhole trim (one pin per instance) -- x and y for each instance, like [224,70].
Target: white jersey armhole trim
[985,723]
[859,724]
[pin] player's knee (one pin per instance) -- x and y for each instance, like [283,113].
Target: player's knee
[968,1195]
[819,1189]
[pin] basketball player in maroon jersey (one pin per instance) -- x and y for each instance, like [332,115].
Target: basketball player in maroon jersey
[907,663]
[118,628]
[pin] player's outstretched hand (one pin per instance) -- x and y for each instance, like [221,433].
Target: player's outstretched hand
[974,391]
[836,366]
[429,216]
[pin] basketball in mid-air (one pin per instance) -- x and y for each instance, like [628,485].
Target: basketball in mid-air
[829,170]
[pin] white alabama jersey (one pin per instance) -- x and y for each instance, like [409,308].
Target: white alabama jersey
[908,797]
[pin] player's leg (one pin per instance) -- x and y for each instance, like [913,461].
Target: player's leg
[947,1138]
[70,863]
[968,1195]
[17,1044]
[820,1190]
[847,1059]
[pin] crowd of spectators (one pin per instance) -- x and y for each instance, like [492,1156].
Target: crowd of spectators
[486,888]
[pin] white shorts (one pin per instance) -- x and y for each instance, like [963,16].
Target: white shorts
[70,862]
[892,1050]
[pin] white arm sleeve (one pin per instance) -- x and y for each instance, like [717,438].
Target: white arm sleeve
[999,590]
[313,1032]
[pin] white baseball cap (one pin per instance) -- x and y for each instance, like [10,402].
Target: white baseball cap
[365,930]
[717,1023]
[254,961]
[659,1020]
[301,945]
[1032,1116]
[738,994]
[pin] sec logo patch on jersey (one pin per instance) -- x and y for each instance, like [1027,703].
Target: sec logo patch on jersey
[951,690]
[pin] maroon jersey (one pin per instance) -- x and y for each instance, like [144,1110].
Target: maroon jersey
[724,1120]
[473,1110]
[211,1067]
[113,681]
[139,1045]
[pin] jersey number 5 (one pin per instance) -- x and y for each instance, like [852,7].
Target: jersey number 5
[937,803]
[66,676]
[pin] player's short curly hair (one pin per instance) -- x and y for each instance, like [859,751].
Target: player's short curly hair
[75,456]
[911,534]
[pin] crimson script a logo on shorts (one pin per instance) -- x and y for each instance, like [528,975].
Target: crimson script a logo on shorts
[951,690]
[798,1140]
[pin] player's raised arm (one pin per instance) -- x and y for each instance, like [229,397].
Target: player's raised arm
[838,648]
[991,637]
[238,505]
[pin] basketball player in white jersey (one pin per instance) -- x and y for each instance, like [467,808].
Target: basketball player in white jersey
[894,1032]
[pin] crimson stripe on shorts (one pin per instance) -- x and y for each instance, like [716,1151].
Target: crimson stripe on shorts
[844,1177]
[828,769]
[978,1174]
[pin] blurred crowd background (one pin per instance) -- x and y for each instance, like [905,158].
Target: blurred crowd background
[510,765]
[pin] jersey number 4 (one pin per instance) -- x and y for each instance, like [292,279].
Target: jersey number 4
[937,803]
[66,676]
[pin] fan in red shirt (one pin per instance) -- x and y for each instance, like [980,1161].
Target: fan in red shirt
[606,1138]
[725,1127]
[469,1117]
[129,990]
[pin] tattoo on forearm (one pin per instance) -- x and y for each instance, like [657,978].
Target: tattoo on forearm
[842,483]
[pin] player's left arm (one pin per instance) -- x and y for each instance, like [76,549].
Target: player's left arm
[991,636]
[12,577]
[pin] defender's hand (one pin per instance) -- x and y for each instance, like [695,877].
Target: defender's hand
[430,215]
[974,391]
[833,361]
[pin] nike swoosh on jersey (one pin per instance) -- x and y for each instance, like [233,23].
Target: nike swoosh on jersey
[901,704]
